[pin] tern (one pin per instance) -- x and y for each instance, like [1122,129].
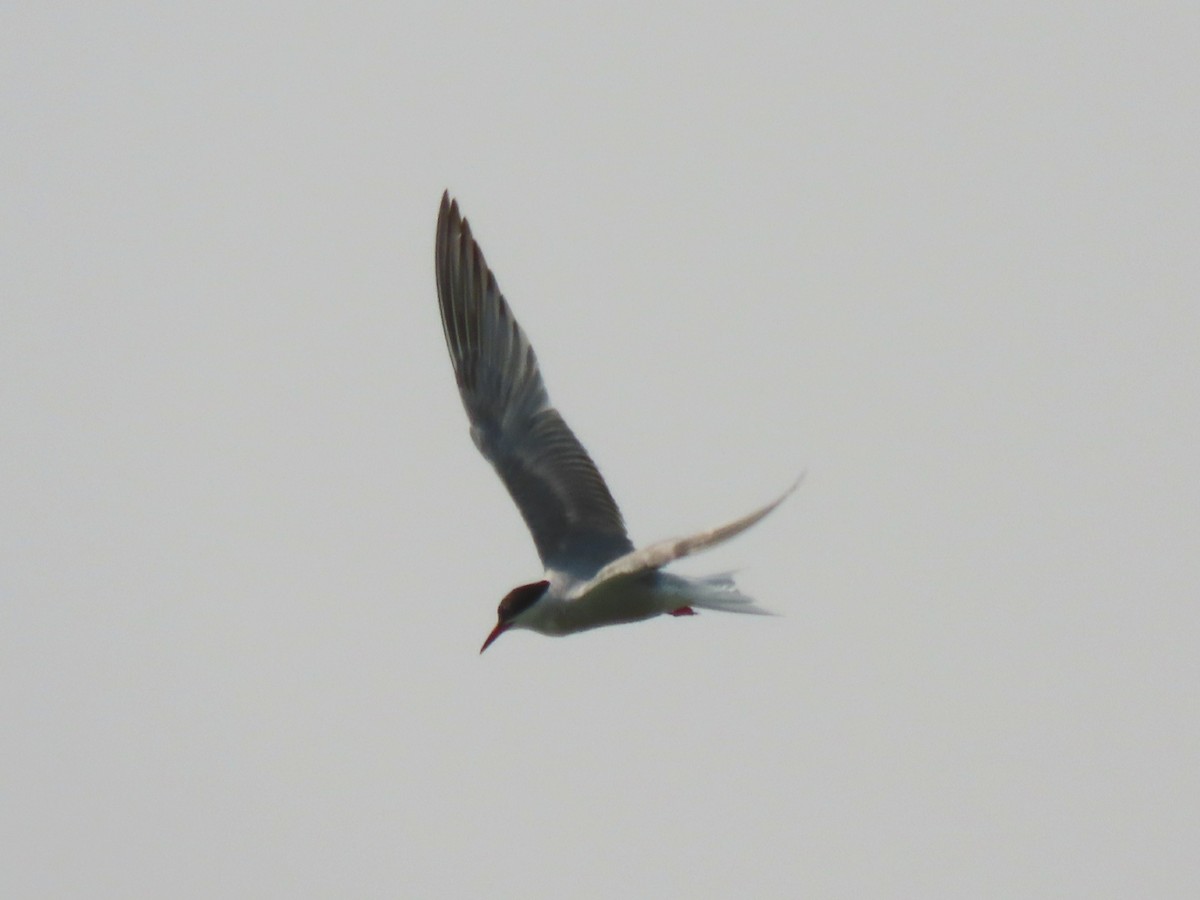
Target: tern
[593,575]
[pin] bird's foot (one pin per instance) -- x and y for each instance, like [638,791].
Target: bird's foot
[683,611]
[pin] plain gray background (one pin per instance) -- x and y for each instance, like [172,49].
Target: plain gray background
[942,257]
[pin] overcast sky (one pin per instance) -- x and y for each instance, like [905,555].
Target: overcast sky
[943,258]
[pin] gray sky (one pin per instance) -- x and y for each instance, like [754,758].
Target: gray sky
[942,258]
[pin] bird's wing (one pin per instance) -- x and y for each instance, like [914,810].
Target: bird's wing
[572,516]
[657,555]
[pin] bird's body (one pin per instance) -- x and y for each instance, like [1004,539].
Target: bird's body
[593,575]
[613,602]
[566,609]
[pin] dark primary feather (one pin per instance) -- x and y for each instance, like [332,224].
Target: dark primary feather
[572,516]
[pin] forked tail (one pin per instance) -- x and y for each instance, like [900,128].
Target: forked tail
[719,592]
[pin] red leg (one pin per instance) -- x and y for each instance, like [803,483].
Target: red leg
[683,611]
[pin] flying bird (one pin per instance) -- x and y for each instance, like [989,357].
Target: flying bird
[593,574]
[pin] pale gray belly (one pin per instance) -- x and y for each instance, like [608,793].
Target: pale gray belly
[614,602]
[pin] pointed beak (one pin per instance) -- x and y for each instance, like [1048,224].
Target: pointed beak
[500,628]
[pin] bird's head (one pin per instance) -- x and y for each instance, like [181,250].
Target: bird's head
[515,604]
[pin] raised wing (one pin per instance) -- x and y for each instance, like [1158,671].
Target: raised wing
[657,555]
[572,516]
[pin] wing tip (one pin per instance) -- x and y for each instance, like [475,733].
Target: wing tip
[447,210]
